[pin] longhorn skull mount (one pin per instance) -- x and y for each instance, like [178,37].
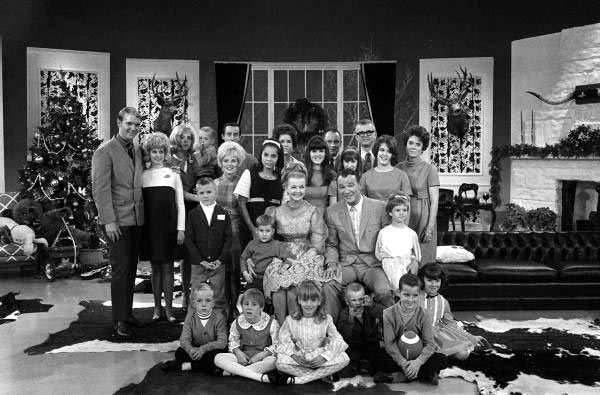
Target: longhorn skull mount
[168,104]
[457,115]
[583,94]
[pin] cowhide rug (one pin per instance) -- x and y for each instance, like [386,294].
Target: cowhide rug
[12,308]
[543,356]
[93,332]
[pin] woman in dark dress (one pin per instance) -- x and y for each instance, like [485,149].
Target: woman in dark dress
[260,187]
[164,223]
[185,163]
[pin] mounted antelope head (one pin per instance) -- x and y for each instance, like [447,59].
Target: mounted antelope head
[457,116]
[168,104]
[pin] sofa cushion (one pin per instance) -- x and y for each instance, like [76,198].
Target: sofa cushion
[578,270]
[453,254]
[460,272]
[514,271]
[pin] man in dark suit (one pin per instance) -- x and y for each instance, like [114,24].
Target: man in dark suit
[353,225]
[333,138]
[208,240]
[117,191]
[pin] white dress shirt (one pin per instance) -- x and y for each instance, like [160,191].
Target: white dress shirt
[208,211]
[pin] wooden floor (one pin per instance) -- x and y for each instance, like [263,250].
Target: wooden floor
[106,372]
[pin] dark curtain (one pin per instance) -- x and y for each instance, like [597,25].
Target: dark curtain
[380,85]
[231,82]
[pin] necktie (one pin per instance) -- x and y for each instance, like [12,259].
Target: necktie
[353,218]
[367,165]
[129,148]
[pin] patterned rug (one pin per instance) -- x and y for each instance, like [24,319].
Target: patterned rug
[543,356]
[93,332]
[12,308]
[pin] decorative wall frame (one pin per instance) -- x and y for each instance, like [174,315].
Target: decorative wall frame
[89,71]
[469,162]
[139,73]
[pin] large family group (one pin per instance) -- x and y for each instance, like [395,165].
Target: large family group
[326,243]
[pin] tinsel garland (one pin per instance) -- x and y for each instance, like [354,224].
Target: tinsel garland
[580,142]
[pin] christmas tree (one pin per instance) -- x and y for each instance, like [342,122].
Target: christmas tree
[58,168]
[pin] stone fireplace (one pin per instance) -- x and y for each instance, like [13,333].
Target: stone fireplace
[537,182]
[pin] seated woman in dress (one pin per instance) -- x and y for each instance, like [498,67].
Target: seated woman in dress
[300,225]
[260,187]
[320,174]
[288,137]
[384,180]
[349,159]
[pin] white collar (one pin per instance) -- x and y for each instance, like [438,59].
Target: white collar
[208,207]
[357,205]
[259,326]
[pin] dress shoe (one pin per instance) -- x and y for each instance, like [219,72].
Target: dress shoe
[135,322]
[122,329]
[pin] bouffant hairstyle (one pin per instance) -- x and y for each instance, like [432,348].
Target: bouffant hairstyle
[433,271]
[397,200]
[391,144]
[230,148]
[156,140]
[180,130]
[277,145]
[317,143]
[294,170]
[254,295]
[286,129]
[418,131]
[350,154]
[310,290]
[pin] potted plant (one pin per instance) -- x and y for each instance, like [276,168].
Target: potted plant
[515,219]
[541,219]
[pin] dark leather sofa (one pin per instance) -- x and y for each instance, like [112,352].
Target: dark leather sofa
[525,270]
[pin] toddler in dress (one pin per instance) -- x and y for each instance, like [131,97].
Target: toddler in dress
[397,245]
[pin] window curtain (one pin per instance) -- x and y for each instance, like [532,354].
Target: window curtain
[231,82]
[379,79]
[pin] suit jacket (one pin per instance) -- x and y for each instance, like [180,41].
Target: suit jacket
[117,184]
[208,243]
[341,244]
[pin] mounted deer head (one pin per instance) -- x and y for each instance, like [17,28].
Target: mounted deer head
[168,104]
[457,116]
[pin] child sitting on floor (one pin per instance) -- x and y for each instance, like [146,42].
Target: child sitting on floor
[258,254]
[360,324]
[450,338]
[398,321]
[310,347]
[204,335]
[253,339]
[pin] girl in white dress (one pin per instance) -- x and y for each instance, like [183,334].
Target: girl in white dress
[310,347]
[398,245]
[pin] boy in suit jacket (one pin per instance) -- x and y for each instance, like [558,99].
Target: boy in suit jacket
[117,191]
[353,226]
[208,240]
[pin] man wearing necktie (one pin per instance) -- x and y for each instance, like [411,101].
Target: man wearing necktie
[353,225]
[366,135]
[117,191]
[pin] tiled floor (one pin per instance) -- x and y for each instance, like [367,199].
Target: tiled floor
[104,373]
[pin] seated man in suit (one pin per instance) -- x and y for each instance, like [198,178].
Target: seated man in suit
[353,225]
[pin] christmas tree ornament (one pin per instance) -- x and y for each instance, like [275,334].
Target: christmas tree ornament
[38,159]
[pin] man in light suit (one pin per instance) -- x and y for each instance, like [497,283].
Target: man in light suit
[353,225]
[117,190]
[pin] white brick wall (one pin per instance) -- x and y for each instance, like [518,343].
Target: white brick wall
[535,182]
[552,66]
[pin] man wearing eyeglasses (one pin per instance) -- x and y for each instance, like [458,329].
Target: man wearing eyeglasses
[366,135]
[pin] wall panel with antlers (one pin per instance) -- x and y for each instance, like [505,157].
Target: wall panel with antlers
[149,107]
[451,154]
